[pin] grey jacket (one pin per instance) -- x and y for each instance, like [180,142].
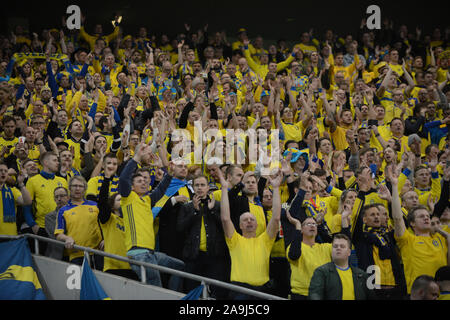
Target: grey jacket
[53,250]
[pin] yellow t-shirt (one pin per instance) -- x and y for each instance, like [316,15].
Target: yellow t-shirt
[339,139]
[138,221]
[250,258]
[348,291]
[293,131]
[41,191]
[80,223]
[8,142]
[421,255]
[303,268]
[397,68]
[114,236]
[258,212]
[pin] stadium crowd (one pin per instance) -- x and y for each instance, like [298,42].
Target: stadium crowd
[142,146]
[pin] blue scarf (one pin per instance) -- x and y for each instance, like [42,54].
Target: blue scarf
[175,185]
[47,175]
[257,201]
[9,208]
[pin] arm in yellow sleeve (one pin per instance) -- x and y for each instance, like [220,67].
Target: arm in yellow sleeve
[97,67]
[101,104]
[284,64]
[73,103]
[252,63]
[335,192]
[113,35]
[435,185]
[351,69]
[89,39]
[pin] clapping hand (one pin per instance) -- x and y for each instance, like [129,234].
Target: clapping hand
[384,193]
[276,179]
[294,221]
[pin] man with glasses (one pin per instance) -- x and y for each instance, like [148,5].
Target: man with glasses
[301,80]
[61,196]
[77,223]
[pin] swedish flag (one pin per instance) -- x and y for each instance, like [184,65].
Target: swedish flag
[90,287]
[18,278]
[175,185]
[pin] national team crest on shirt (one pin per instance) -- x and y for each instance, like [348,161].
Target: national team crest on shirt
[435,243]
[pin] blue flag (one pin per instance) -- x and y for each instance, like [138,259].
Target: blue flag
[18,278]
[174,186]
[194,294]
[90,287]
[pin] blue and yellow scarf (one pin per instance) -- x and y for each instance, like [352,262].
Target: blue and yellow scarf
[9,207]
[175,185]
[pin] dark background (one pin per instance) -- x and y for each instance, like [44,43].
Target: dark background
[273,19]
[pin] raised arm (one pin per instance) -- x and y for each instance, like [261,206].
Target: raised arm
[274,223]
[444,197]
[397,215]
[409,79]
[295,249]
[104,208]
[284,64]
[251,63]
[383,86]
[228,226]
[125,181]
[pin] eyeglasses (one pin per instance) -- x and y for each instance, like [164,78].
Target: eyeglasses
[77,186]
[311,224]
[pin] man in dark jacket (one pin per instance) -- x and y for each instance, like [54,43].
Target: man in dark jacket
[337,280]
[205,252]
[178,193]
[375,245]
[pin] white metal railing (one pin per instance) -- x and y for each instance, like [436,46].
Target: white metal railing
[203,280]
